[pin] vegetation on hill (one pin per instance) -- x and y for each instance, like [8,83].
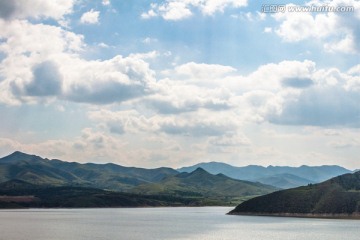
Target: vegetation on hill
[200,183]
[39,171]
[79,197]
[337,196]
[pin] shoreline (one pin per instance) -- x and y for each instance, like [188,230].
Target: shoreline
[354,216]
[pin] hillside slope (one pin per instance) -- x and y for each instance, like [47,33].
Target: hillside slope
[36,170]
[337,197]
[20,194]
[201,183]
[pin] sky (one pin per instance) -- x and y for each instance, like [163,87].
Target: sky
[177,82]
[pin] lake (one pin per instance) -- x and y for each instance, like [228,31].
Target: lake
[203,223]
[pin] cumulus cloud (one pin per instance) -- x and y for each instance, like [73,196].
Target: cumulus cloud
[196,128]
[322,106]
[189,88]
[185,101]
[201,71]
[199,124]
[337,31]
[90,17]
[22,9]
[271,77]
[230,140]
[103,82]
[23,39]
[289,92]
[297,82]
[177,9]
[330,100]
[33,68]
[128,121]
[178,97]
[25,47]
[46,81]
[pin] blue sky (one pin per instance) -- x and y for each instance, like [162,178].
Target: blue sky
[177,82]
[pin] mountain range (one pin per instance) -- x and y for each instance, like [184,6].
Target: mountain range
[201,183]
[100,185]
[198,187]
[278,176]
[40,171]
[337,197]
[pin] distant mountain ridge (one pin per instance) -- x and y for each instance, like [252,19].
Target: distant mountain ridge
[279,176]
[201,183]
[42,171]
[23,175]
[337,197]
[37,170]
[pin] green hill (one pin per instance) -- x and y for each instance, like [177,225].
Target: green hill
[337,197]
[200,183]
[39,171]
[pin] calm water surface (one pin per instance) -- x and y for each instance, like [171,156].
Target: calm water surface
[204,223]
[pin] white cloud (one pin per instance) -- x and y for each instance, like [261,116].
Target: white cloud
[273,92]
[345,45]
[268,30]
[149,40]
[149,14]
[55,9]
[103,45]
[198,71]
[174,11]
[178,9]
[26,46]
[175,97]
[251,17]
[120,122]
[144,56]
[337,31]
[103,82]
[29,69]
[105,2]
[270,76]
[190,87]
[91,17]
[23,37]
[187,124]
[230,139]
[355,70]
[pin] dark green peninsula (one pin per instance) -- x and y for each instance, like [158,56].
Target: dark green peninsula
[338,197]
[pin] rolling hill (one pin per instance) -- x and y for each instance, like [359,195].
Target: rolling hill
[279,176]
[39,171]
[200,183]
[337,197]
